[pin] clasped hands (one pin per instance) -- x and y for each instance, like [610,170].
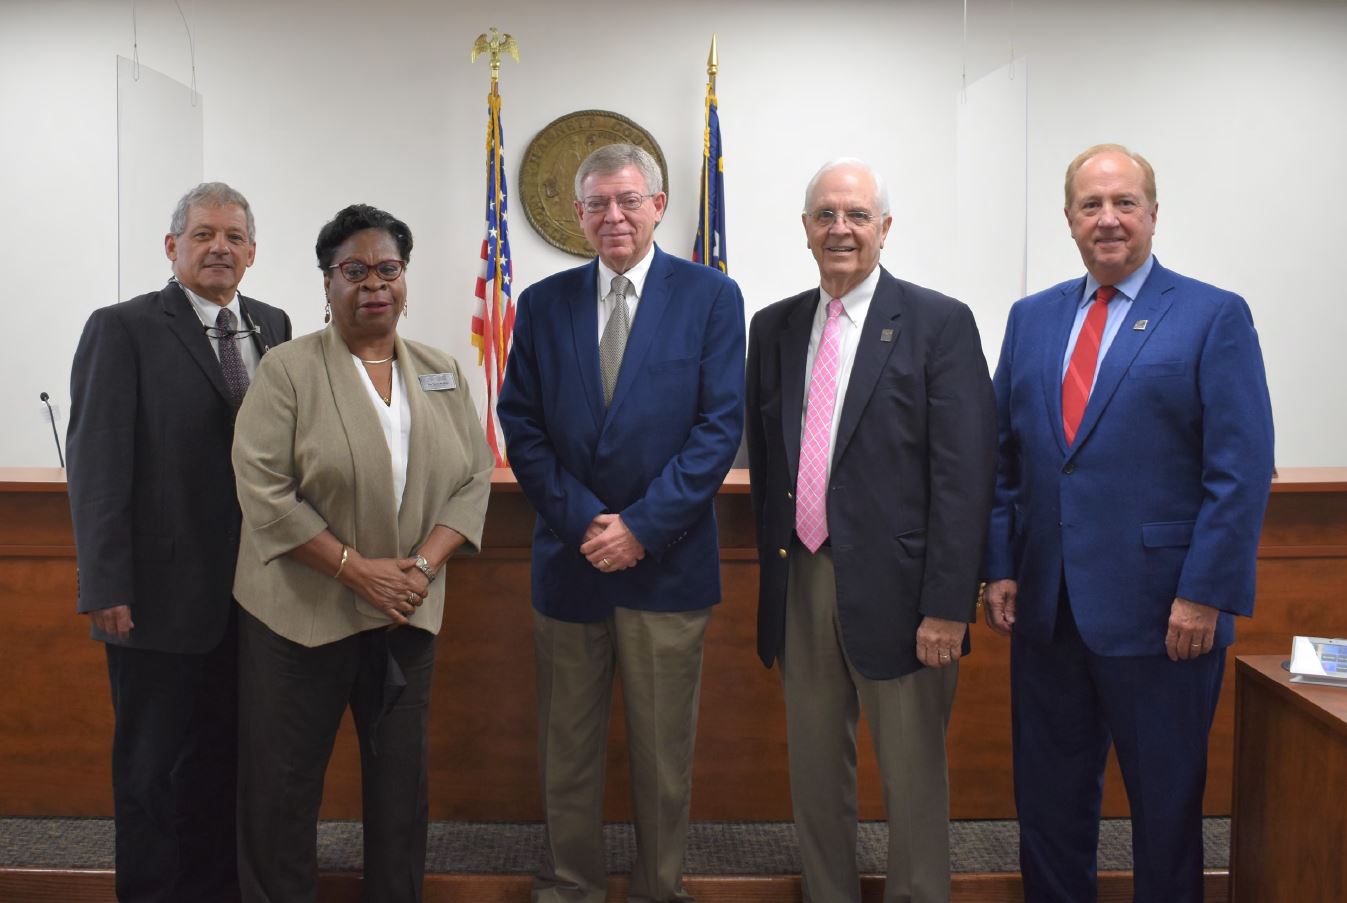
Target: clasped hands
[609,546]
[393,585]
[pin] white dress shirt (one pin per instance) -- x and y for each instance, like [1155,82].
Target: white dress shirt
[855,305]
[636,275]
[396,420]
[207,311]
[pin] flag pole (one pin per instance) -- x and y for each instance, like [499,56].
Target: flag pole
[491,328]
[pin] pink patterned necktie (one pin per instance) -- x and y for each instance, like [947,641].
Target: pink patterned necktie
[811,489]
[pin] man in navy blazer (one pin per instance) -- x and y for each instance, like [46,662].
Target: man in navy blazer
[622,412]
[871,612]
[1135,463]
[154,386]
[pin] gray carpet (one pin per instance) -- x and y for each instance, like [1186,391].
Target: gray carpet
[714,848]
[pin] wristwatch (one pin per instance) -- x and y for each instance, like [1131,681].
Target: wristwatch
[424,567]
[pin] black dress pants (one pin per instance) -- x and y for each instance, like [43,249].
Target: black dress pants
[173,772]
[291,702]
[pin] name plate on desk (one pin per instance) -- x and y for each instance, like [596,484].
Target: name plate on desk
[1317,660]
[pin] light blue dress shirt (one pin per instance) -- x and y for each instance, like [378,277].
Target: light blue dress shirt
[1118,309]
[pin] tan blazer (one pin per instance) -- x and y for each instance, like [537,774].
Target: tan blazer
[309,454]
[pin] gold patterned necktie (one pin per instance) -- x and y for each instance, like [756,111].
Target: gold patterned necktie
[614,340]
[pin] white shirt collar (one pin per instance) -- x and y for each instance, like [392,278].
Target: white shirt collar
[856,302]
[209,310]
[636,274]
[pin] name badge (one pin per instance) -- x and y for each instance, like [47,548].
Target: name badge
[437,382]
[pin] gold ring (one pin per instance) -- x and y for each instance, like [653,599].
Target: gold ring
[607,563]
[1195,645]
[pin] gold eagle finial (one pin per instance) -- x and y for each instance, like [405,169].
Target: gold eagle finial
[495,44]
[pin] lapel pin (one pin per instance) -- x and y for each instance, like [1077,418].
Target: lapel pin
[886,335]
[1140,325]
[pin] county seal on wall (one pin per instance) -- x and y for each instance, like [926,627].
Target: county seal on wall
[547,175]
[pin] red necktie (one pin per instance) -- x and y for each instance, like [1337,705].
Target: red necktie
[1080,372]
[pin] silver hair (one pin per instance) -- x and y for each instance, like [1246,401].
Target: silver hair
[210,194]
[612,157]
[881,189]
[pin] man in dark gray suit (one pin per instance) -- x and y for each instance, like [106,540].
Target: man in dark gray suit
[154,386]
[871,435]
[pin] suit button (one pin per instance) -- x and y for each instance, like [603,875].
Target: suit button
[790,495]
[1069,469]
[781,553]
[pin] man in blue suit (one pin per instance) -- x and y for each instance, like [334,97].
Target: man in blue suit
[1135,460]
[622,411]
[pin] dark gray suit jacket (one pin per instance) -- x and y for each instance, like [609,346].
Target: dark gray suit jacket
[912,469]
[151,487]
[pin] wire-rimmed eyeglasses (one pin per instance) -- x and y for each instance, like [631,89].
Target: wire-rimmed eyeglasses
[600,203]
[826,217]
[215,332]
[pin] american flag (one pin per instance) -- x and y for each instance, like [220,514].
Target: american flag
[493,314]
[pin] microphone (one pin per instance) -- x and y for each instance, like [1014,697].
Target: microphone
[51,417]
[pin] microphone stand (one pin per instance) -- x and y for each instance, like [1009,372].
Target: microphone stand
[51,418]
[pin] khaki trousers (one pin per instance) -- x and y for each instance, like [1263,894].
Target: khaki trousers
[907,717]
[658,656]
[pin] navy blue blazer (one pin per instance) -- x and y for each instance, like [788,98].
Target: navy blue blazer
[151,485]
[656,456]
[1163,492]
[912,469]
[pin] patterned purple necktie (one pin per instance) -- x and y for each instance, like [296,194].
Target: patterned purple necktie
[811,489]
[231,362]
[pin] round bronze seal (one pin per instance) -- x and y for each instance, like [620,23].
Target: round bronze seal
[547,175]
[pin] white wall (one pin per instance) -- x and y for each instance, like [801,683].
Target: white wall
[313,104]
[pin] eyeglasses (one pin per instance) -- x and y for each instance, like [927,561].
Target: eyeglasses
[600,204]
[826,217]
[215,332]
[358,271]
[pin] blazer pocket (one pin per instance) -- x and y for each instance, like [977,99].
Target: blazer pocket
[913,542]
[151,547]
[1157,369]
[1163,534]
[896,378]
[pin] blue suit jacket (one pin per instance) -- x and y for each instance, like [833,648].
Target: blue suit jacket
[1163,492]
[656,456]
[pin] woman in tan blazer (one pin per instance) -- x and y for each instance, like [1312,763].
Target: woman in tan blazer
[361,469]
